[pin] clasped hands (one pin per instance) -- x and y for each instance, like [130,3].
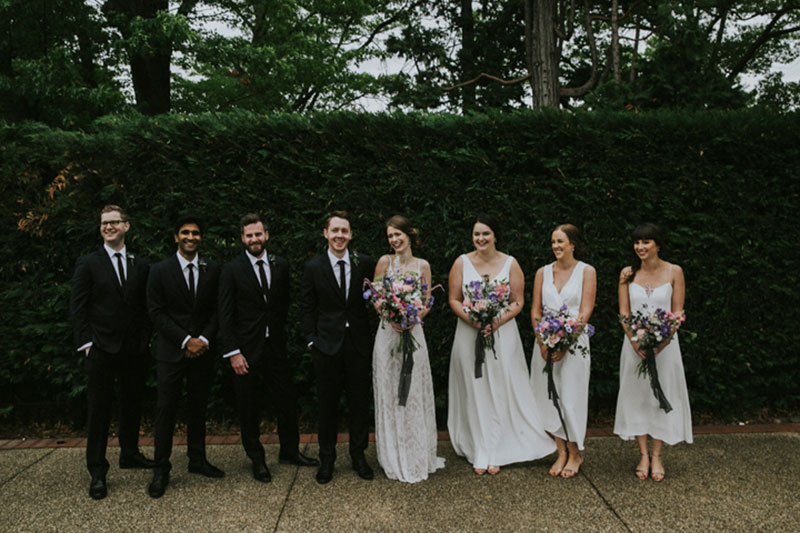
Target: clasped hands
[195,348]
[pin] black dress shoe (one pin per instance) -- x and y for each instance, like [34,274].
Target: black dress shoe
[97,488]
[205,468]
[158,485]
[325,472]
[261,473]
[362,468]
[298,459]
[136,460]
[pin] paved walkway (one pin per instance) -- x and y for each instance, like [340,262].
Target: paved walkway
[722,482]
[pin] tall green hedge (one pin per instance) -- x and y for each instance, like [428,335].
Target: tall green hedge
[724,185]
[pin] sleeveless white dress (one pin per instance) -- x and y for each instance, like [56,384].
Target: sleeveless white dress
[637,408]
[405,437]
[571,374]
[491,419]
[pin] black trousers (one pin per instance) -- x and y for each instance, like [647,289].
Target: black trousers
[128,370]
[198,373]
[273,371]
[348,370]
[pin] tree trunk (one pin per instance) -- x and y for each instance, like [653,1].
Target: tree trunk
[615,40]
[540,18]
[467,54]
[150,72]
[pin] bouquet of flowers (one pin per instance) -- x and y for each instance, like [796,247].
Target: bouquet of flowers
[400,299]
[485,300]
[559,332]
[649,330]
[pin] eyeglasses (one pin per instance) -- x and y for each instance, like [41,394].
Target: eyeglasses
[111,222]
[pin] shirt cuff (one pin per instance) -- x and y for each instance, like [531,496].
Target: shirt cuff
[204,340]
[231,354]
[183,344]
[82,348]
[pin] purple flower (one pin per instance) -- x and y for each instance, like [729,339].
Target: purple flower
[367,294]
[589,330]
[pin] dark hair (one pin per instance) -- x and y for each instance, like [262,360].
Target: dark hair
[646,231]
[489,220]
[188,219]
[337,214]
[403,224]
[251,218]
[575,237]
[111,208]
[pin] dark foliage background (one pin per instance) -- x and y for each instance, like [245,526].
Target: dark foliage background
[724,185]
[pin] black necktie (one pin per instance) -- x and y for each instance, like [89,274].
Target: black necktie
[263,275]
[342,281]
[190,266]
[121,269]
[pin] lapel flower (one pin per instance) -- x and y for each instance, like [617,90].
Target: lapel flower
[131,259]
[271,259]
[354,258]
[202,265]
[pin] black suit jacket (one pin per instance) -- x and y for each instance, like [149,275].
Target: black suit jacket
[323,311]
[243,313]
[173,310]
[104,313]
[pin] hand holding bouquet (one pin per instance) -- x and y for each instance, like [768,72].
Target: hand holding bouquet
[650,330]
[484,301]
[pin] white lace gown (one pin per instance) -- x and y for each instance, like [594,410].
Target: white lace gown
[571,374]
[637,408]
[405,437]
[491,419]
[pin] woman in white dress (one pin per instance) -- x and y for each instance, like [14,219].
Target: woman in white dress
[405,436]
[491,419]
[654,283]
[573,283]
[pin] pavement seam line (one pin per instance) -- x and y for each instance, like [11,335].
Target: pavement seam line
[48,454]
[608,504]
[288,493]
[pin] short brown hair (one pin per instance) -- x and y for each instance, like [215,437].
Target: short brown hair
[111,208]
[403,224]
[251,218]
[337,214]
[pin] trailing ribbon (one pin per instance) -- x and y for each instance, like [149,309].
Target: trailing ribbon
[650,361]
[552,393]
[404,386]
[481,343]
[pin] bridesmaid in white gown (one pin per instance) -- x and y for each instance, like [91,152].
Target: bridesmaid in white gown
[653,282]
[405,436]
[491,419]
[573,283]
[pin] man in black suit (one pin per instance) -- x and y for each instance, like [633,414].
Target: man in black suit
[109,316]
[182,300]
[335,322]
[253,303]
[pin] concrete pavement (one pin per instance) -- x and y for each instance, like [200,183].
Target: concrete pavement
[722,482]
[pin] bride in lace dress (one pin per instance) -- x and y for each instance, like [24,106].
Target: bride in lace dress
[405,436]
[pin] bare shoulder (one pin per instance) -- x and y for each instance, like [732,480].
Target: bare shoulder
[384,261]
[677,271]
[589,269]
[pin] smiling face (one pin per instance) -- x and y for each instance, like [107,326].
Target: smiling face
[645,249]
[562,248]
[113,229]
[398,240]
[254,237]
[483,237]
[188,239]
[338,235]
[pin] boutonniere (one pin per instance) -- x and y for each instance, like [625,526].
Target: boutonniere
[271,258]
[131,259]
[354,258]
[202,265]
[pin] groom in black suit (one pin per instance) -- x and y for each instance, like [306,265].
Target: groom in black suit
[253,303]
[335,323]
[109,317]
[182,300]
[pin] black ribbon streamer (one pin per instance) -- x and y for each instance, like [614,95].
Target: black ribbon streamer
[480,352]
[650,361]
[408,365]
[552,393]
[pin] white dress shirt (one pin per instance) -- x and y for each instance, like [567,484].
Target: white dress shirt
[185,269]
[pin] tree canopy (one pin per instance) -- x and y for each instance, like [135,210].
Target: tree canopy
[67,62]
